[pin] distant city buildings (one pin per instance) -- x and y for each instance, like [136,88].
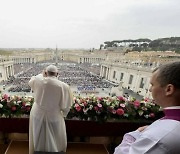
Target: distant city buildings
[6,70]
[130,69]
[21,57]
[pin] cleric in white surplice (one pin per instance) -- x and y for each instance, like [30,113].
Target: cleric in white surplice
[163,135]
[53,99]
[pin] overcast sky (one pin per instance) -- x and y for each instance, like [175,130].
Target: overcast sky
[85,23]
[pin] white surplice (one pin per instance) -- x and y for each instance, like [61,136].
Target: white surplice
[53,99]
[161,137]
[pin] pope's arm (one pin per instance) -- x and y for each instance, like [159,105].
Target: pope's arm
[32,80]
[31,83]
[67,100]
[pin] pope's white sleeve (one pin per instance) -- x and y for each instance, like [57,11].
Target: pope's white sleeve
[31,82]
[67,100]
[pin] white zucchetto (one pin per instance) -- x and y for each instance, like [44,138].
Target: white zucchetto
[52,68]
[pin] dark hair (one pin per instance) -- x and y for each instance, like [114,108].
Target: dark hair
[169,74]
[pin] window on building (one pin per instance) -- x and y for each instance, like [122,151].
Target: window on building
[130,79]
[105,71]
[121,77]
[142,83]
[114,74]
[0,75]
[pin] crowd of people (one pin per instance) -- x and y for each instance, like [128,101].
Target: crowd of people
[79,75]
[71,73]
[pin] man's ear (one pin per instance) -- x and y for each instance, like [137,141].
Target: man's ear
[169,89]
[45,73]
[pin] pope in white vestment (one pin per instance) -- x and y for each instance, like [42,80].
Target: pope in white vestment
[52,102]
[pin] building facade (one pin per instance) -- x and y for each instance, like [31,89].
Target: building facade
[6,70]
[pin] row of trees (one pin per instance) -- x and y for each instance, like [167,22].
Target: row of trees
[162,44]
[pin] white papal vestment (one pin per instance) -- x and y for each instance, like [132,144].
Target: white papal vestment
[53,99]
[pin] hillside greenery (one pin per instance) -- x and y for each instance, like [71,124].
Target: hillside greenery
[161,44]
